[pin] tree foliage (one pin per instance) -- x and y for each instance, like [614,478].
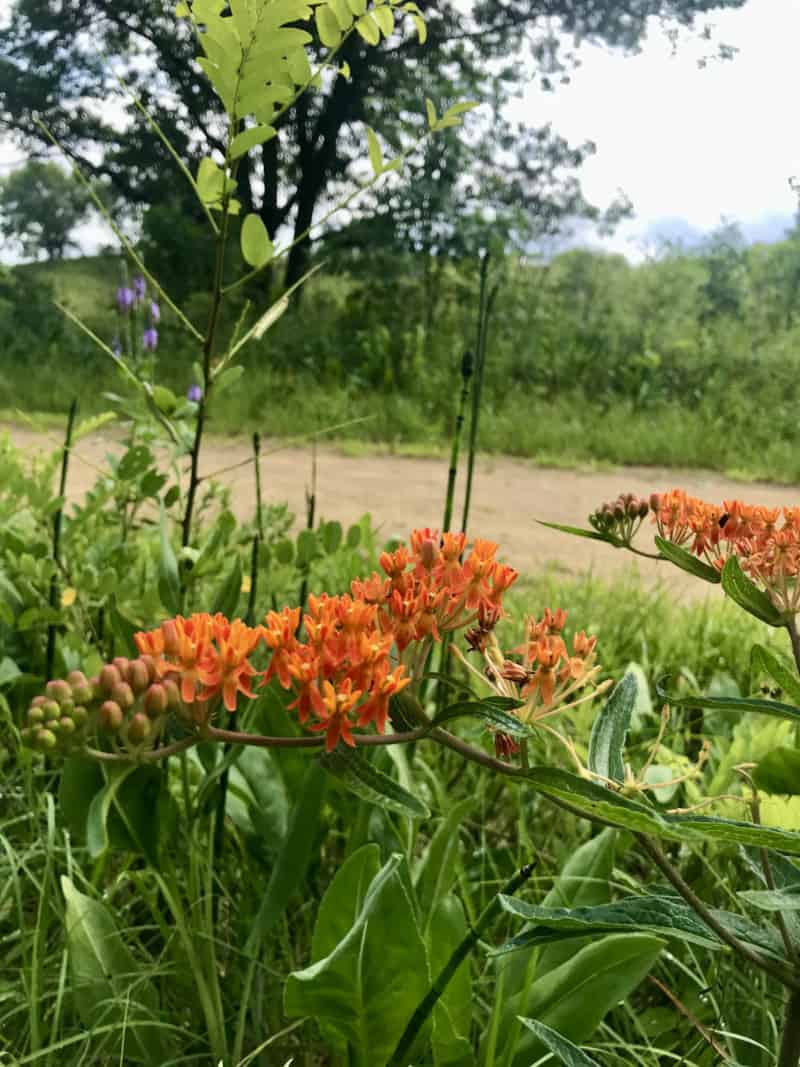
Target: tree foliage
[40,206]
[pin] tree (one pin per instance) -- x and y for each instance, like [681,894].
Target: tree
[50,67]
[40,205]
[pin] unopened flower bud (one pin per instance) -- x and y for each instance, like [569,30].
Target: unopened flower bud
[45,740]
[38,701]
[655,501]
[108,678]
[156,700]
[619,511]
[138,676]
[514,672]
[428,551]
[173,693]
[632,507]
[58,690]
[122,694]
[171,637]
[109,716]
[51,711]
[81,690]
[149,662]
[67,725]
[644,507]
[80,716]
[122,663]
[139,728]
[35,714]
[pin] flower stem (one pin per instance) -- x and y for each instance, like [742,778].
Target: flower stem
[789,1055]
[57,521]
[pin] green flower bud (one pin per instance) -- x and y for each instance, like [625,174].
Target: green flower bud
[108,678]
[138,676]
[122,694]
[80,716]
[109,716]
[58,690]
[139,728]
[35,714]
[156,700]
[81,689]
[38,701]
[76,678]
[51,710]
[67,725]
[67,706]
[45,740]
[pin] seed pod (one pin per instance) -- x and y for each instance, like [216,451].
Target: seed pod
[138,676]
[139,728]
[108,678]
[156,700]
[122,694]
[58,690]
[80,716]
[51,711]
[109,716]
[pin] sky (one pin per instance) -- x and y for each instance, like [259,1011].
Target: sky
[688,145]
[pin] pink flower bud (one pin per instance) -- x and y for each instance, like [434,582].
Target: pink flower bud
[108,678]
[122,694]
[156,700]
[139,728]
[138,675]
[109,716]
[58,690]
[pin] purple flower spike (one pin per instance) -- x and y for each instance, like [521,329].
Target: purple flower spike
[125,298]
[150,339]
[195,394]
[155,312]
[139,287]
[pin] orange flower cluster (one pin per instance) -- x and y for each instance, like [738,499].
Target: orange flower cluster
[206,654]
[765,540]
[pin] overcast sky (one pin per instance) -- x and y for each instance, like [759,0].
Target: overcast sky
[687,145]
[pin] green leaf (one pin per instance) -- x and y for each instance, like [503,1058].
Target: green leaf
[344,899]
[452,1014]
[169,583]
[108,985]
[372,785]
[257,248]
[368,29]
[764,660]
[779,772]
[341,13]
[747,595]
[210,181]
[686,561]
[327,27]
[422,29]
[568,1053]
[574,998]
[659,915]
[436,870]
[576,531]
[431,113]
[461,108]
[331,534]
[375,151]
[295,855]
[228,378]
[306,548]
[367,987]
[9,671]
[96,832]
[607,740]
[384,16]
[228,594]
[249,138]
[773,708]
[33,618]
[494,711]
[786,899]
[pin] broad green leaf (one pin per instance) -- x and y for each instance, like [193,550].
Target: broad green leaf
[368,986]
[765,661]
[786,899]
[384,16]
[436,869]
[452,1015]
[249,138]
[577,531]
[686,561]
[494,711]
[368,29]
[358,7]
[257,248]
[375,151]
[343,899]
[306,548]
[96,832]
[659,915]
[607,740]
[327,27]
[331,534]
[372,785]
[747,595]
[164,399]
[256,781]
[108,985]
[341,13]
[227,596]
[779,772]
[210,181]
[773,708]
[292,863]
[169,584]
[595,800]
[574,998]
[561,1047]
[9,671]
[228,378]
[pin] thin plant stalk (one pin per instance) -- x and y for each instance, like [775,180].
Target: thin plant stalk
[259,503]
[399,1057]
[311,508]
[477,387]
[58,519]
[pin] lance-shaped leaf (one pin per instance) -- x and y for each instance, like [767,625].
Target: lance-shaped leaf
[686,561]
[493,711]
[372,785]
[662,916]
[773,708]
[577,531]
[607,740]
[568,1053]
[765,661]
[786,899]
[747,595]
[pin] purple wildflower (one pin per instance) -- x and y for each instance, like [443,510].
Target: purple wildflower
[125,298]
[150,339]
[155,312]
[195,394]
[139,287]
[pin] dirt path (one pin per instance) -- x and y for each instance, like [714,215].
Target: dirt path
[509,495]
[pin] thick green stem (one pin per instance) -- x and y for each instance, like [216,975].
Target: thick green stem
[399,1057]
[789,1055]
